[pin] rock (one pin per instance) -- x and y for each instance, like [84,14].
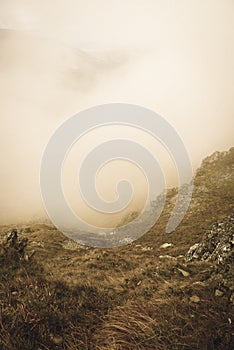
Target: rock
[26,257]
[29,255]
[199,283]
[56,339]
[145,249]
[218,293]
[22,244]
[216,244]
[195,299]
[232,298]
[19,244]
[12,238]
[217,249]
[166,245]
[183,272]
[40,244]
[190,253]
[180,258]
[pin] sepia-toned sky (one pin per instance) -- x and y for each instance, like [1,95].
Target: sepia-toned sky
[59,57]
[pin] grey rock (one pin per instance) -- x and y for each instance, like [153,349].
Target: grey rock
[217,244]
[191,252]
[167,257]
[195,299]
[12,238]
[166,245]
[56,339]
[218,293]
[183,272]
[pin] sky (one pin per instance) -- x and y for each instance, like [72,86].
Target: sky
[60,57]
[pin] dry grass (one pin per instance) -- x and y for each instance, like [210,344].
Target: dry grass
[165,324]
[37,313]
[125,298]
[148,307]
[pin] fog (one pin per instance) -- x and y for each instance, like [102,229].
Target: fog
[57,58]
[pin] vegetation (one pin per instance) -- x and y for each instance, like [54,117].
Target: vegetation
[56,294]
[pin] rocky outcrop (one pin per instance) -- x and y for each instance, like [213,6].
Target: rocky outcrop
[217,247]
[17,244]
[216,174]
[217,243]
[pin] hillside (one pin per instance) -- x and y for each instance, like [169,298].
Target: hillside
[155,293]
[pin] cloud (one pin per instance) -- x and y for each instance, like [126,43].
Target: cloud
[176,58]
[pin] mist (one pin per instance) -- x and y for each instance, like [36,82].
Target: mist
[176,58]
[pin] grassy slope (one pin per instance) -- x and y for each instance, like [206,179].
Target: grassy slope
[74,297]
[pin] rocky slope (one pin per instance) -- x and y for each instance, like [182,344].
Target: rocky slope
[164,291]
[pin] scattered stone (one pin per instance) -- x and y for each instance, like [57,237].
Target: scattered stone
[180,258]
[166,245]
[39,244]
[71,245]
[218,293]
[56,339]
[22,244]
[167,257]
[190,254]
[19,244]
[145,249]
[66,258]
[28,256]
[12,238]
[232,298]
[183,272]
[195,299]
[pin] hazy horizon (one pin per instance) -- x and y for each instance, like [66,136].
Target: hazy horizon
[174,58]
